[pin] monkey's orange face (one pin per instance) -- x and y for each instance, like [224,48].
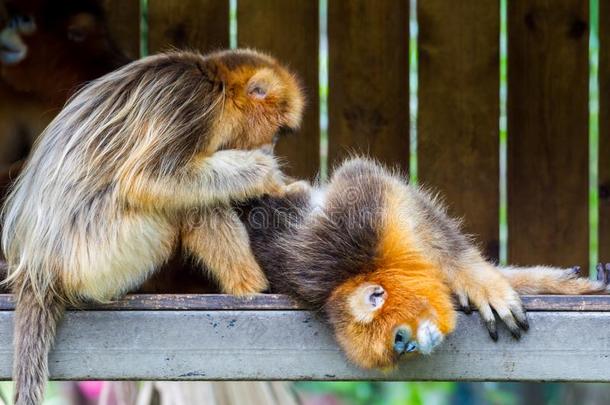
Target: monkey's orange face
[385,316]
[262,101]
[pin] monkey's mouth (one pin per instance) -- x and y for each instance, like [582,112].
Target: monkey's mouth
[10,56]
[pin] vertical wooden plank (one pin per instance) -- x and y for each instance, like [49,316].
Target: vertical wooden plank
[604,130]
[368,99]
[271,26]
[458,132]
[123,18]
[194,24]
[548,82]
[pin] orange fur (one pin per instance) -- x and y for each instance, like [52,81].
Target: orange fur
[282,105]
[415,291]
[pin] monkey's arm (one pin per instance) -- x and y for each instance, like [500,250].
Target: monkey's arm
[219,240]
[475,281]
[218,179]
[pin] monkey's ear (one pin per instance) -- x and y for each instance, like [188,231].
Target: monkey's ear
[257,91]
[81,26]
[261,84]
[365,300]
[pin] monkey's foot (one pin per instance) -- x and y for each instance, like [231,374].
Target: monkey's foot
[603,273]
[245,284]
[569,281]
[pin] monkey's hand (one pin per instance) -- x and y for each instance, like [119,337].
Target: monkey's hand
[273,180]
[298,187]
[488,290]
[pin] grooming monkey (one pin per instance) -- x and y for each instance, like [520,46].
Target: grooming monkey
[379,258]
[104,198]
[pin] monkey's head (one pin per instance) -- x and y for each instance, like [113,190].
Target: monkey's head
[262,99]
[381,317]
[51,46]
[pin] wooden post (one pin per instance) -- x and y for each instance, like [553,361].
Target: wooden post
[289,30]
[548,97]
[458,137]
[124,23]
[194,24]
[368,103]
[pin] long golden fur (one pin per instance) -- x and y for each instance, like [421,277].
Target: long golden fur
[111,186]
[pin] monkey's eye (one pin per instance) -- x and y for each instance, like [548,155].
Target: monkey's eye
[402,344]
[24,23]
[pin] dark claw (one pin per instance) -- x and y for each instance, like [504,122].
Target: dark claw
[467,309]
[493,333]
[516,333]
[523,323]
[576,270]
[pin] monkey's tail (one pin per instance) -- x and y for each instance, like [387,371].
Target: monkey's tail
[35,323]
[552,280]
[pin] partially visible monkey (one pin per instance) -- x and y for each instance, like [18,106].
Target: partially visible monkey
[47,50]
[102,201]
[51,47]
[379,258]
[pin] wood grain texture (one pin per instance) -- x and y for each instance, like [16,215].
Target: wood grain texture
[277,302]
[183,302]
[124,24]
[458,134]
[368,102]
[289,30]
[196,24]
[548,82]
[293,345]
[604,130]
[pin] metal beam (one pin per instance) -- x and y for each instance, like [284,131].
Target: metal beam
[281,344]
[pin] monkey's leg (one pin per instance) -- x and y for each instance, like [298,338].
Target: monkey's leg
[220,241]
[225,176]
[554,280]
[120,259]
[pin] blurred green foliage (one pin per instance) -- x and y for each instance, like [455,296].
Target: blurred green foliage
[383,393]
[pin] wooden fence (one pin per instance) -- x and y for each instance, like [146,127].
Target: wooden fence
[458,100]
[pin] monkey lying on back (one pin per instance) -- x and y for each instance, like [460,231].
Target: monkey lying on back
[102,201]
[379,258]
